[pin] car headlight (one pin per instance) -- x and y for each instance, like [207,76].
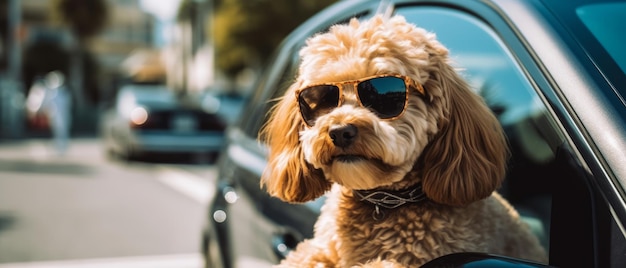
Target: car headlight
[139,115]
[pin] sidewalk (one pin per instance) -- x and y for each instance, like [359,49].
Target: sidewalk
[87,149]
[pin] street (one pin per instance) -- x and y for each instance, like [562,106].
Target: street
[85,210]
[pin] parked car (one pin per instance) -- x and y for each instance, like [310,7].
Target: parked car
[554,74]
[150,119]
[228,105]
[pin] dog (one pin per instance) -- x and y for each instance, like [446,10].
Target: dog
[409,157]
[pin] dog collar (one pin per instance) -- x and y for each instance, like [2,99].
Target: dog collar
[390,199]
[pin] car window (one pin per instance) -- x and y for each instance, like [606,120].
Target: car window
[597,27]
[484,60]
[256,101]
[545,181]
[273,84]
[605,21]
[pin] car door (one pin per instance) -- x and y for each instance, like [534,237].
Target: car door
[260,227]
[549,180]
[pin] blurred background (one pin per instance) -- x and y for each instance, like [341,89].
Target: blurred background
[190,45]
[112,113]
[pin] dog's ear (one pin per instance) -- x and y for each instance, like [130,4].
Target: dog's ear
[466,160]
[287,175]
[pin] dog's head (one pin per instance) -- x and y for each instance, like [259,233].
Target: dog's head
[341,132]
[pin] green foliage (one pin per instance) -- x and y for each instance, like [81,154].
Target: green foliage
[85,17]
[186,10]
[246,32]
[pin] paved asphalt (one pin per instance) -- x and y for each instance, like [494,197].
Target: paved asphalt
[84,210]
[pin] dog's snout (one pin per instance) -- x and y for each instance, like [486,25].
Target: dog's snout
[343,136]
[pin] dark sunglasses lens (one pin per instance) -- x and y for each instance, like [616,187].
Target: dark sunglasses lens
[317,100]
[385,96]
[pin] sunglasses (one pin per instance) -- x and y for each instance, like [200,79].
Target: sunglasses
[385,95]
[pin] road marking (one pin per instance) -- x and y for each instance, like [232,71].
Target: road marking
[160,261]
[199,189]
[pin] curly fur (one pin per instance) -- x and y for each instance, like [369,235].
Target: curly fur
[448,140]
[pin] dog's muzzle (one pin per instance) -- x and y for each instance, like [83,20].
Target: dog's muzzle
[344,136]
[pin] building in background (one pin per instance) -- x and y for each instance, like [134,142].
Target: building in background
[189,54]
[130,29]
[137,41]
[11,89]
[41,44]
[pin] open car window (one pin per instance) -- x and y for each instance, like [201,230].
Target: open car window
[487,64]
[546,182]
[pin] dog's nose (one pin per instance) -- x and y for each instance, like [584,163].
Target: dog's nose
[343,136]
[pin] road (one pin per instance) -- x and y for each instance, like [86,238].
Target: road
[84,210]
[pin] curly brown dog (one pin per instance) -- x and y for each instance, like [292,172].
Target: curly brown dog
[408,154]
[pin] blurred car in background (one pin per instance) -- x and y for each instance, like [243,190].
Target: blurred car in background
[554,74]
[150,119]
[227,105]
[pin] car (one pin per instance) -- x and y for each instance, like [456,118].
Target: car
[552,71]
[227,104]
[149,119]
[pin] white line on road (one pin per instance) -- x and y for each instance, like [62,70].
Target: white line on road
[161,261]
[199,189]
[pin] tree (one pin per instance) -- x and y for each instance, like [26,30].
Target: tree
[85,18]
[246,32]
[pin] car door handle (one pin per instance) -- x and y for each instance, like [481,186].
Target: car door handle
[284,242]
